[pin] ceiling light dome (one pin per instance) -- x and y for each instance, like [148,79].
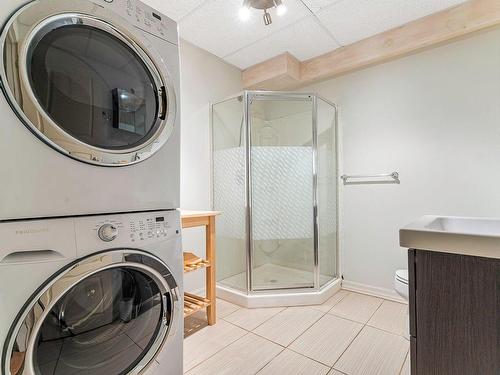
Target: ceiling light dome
[264,5]
[281,9]
[244,13]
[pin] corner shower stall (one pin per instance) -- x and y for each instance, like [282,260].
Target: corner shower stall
[275,181]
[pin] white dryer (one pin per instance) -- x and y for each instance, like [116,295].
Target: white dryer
[89,108]
[95,295]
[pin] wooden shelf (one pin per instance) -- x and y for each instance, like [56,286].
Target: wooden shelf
[194,303]
[193,267]
[193,263]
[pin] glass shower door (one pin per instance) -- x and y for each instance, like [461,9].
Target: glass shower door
[281,197]
[326,147]
[229,192]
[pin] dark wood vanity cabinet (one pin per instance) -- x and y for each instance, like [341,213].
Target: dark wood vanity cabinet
[454,314]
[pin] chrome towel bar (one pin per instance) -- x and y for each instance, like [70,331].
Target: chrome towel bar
[393,175]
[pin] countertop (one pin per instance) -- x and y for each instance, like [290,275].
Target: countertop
[457,235]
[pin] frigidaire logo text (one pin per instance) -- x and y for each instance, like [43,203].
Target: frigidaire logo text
[32,231]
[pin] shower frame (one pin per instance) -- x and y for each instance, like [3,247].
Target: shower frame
[331,286]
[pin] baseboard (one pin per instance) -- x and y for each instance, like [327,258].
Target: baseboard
[372,291]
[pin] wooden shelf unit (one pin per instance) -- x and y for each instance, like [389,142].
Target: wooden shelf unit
[193,303]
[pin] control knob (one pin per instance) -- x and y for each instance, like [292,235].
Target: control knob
[108,232]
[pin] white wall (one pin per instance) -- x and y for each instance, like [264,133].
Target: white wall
[435,118]
[204,79]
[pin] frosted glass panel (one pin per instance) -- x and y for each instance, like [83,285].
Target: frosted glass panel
[281,178]
[229,192]
[282,191]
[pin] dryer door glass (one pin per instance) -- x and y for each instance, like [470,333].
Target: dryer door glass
[105,324]
[87,82]
[94,87]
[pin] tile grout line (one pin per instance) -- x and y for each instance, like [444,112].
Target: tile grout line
[364,325]
[379,306]
[343,317]
[246,334]
[272,359]
[340,300]
[282,309]
[262,337]
[307,329]
[312,359]
[286,308]
[403,365]
[224,347]
[287,347]
[274,342]
[386,331]
[315,307]
[381,329]
[199,364]
[348,346]
[356,321]
[256,334]
[378,329]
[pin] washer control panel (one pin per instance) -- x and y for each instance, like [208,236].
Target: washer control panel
[149,227]
[135,230]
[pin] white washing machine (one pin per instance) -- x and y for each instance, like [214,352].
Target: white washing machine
[89,108]
[94,295]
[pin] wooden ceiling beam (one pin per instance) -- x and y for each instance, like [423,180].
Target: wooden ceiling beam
[280,72]
[285,72]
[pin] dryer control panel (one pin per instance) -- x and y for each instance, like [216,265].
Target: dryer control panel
[144,17]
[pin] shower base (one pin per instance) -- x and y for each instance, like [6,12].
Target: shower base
[269,276]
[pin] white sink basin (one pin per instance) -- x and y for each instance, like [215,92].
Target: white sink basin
[459,235]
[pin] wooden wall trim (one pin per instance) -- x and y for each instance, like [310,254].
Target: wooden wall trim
[433,30]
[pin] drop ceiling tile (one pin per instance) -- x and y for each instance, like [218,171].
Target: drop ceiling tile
[216,27]
[304,40]
[353,20]
[174,9]
[316,5]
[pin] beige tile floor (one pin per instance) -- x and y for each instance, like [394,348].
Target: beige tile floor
[350,334]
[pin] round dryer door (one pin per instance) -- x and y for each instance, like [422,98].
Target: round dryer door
[108,314]
[86,83]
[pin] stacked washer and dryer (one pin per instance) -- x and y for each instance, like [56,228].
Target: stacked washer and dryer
[90,243]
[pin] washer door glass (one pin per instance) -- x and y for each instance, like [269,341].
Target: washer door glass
[105,324]
[94,87]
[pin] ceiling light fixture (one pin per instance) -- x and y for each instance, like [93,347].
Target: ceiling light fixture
[264,5]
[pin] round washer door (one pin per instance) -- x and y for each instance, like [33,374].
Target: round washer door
[109,313]
[86,83]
